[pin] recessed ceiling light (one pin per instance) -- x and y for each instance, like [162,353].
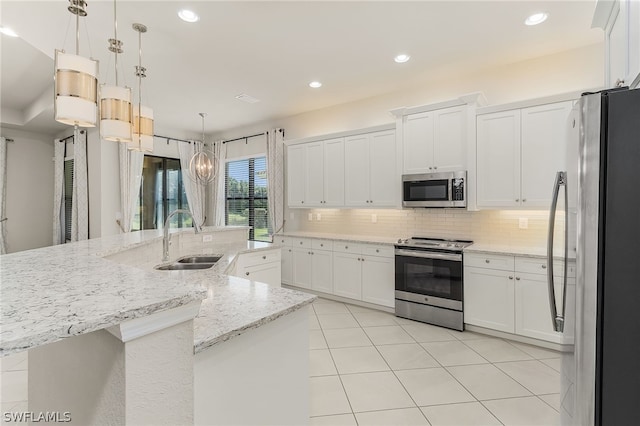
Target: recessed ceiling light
[8,31]
[536,18]
[188,15]
[402,58]
[315,84]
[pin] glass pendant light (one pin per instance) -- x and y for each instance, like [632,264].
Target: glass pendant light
[75,94]
[202,167]
[142,115]
[115,101]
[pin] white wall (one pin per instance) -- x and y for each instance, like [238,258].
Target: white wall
[29,190]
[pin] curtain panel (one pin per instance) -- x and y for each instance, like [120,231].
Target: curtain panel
[275,179]
[58,192]
[131,163]
[219,203]
[80,203]
[195,192]
[3,195]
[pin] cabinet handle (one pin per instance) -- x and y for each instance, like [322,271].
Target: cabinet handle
[377,251]
[346,247]
[544,266]
[510,277]
[517,278]
[289,250]
[435,167]
[524,200]
[302,201]
[487,261]
[619,82]
[321,245]
[246,273]
[358,259]
[430,168]
[300,242]
[517,199]
[264,257]
[362,259]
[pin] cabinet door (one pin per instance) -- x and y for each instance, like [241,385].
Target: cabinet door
[302,267]
[287,265]
[543,151]
[347,275]
[356,170]
[616,45]
[334,172]
[314,182]
[533,317]
[296,175]
[322,271]
[268,273]
[489,299]
[498,159]
[378,280]
[384,182]
[417,151]
[450,139]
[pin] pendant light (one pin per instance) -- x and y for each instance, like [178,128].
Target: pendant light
[115,101]
[75,94]
[202,167]
[142,115]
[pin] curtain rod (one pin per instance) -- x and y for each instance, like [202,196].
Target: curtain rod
[251,136]
[9,140]
[70,137]
[171,139]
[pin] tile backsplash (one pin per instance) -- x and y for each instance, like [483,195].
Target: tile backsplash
[499,227]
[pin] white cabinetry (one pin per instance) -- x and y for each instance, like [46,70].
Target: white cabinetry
[356,271]
[263,266]
[435,141]
[518,154]
[370,173]
[315,174]
[620,20]
[510,294]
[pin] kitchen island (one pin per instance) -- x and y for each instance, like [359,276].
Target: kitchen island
[132,330]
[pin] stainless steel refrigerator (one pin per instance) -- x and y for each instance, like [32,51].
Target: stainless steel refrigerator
[600,320]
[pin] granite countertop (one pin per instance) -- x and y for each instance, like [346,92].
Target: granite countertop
[342,237]
[57,292]
[524,251]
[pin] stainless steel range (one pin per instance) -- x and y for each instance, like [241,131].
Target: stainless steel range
[429,281]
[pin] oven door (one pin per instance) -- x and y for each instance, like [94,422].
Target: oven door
[433,278]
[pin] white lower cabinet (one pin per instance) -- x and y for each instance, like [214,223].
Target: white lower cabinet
[264,266]
[510,294]
[363,272]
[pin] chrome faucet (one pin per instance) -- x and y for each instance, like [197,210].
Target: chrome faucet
[166,239]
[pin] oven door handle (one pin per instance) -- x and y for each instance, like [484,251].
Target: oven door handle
[429,255]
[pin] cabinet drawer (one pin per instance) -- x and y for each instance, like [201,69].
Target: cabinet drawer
[283,241]
[490,261]
[322,244]
[347,247]
[301,242]
[258,258]
[383,251]
[539,266]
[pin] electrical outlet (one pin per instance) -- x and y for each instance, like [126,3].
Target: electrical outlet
[374,218]
[207,238]
[318,217]
[310,216]
[523,223]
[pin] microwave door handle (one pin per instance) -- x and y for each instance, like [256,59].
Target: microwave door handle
[558,321]
[450,186]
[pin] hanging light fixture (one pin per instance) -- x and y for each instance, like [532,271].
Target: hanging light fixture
[115,101]
[142,115]
[75,94]
[202,167]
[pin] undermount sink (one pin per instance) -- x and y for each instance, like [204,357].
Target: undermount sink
[199,259]
[184,266]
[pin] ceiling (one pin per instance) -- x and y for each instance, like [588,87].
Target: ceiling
[272,50]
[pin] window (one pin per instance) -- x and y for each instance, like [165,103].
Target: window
[246,196]
[68,197]
[161,192]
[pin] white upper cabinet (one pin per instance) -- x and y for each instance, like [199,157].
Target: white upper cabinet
[518,154]
[620,20]
[370,172]
[315,174]
[435,141]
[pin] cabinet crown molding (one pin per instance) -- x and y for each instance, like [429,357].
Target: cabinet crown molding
[346,133]
[603,12]
[475,98]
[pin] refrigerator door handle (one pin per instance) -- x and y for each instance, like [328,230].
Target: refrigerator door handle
[557,320]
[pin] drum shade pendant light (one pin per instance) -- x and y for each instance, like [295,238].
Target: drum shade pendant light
[142,115]
[202,167]
[115,101]
[75,94]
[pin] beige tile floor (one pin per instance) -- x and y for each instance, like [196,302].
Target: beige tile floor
[371,368]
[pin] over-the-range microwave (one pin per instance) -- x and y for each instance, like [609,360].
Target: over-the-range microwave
[446,189]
